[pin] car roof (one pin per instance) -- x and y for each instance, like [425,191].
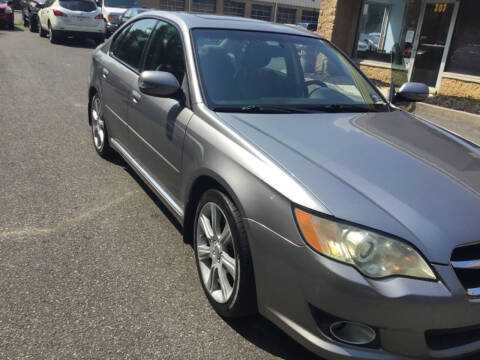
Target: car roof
[193,21]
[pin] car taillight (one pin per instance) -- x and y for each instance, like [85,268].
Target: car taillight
[99,16]
[58,13]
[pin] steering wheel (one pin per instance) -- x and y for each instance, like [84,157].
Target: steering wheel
[314,82]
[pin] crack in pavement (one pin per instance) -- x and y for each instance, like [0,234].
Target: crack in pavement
[75,219]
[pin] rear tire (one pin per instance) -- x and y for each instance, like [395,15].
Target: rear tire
[32,24]
[223,257]
[99,129]
[41,32]
[53,35]
[11,27]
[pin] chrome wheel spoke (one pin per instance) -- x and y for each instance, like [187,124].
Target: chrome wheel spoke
[203,252]
[229,264]
[214,216]
[206,227]
[224,284]
[226,235]
[212,279]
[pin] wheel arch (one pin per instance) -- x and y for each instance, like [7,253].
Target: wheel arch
[200,184]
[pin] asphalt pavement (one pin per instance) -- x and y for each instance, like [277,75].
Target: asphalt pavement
[92,266]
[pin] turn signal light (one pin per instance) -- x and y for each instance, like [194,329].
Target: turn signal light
[58,13]
[99,16]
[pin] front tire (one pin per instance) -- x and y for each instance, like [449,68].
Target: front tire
[223,256]
[99,129]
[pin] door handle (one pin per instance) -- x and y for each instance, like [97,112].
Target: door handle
[136,96]
[105,73]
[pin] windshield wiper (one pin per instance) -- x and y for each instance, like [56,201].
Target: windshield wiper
[259,109]
[338,108]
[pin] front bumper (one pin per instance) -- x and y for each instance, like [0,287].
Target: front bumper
[295,286]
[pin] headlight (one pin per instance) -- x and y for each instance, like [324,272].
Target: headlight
[374,255]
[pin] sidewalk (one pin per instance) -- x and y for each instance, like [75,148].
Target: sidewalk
[464,124]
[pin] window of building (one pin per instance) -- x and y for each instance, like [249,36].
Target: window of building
[204,6]
[261,12]
[233,8]
[464,55]
[172,5]
[286,15]
[309,17]
[128,45]
[380,29]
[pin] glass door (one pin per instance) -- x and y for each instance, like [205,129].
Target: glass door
[436,27]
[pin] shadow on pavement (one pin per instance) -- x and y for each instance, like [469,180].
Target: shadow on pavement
[256,329]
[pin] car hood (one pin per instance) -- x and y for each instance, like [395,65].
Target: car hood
[389,171]
[3,5]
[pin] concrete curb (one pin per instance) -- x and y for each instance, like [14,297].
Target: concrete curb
[446,113]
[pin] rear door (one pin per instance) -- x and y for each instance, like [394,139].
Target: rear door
[161,121]
[120,72]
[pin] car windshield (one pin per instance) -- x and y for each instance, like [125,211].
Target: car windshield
[272,72]
[79,5]
[124,4]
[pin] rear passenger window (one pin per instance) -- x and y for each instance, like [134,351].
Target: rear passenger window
[79,5]
[128,45]
[166,51]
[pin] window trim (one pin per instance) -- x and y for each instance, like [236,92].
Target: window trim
[129,24]
[306,35]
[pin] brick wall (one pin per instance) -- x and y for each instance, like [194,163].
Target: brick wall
[460,88]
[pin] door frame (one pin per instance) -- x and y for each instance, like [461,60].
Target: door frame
[456,5]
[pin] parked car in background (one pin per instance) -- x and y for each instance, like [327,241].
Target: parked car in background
[127,15]
[113,9]
[6,15]
[308,26]
[71,18]
[352,225]
[30,10]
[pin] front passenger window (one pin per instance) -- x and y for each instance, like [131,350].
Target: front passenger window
[166,51]
[128,45]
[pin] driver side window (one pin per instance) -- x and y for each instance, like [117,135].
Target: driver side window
[166,51]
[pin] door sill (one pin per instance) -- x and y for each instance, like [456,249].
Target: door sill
[157,188]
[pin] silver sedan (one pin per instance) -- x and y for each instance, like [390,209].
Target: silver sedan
[308,197]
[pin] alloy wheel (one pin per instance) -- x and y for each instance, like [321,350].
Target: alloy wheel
[98,125]
[216,252]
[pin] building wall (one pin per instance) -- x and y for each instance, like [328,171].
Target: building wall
[460,88]
[337,21]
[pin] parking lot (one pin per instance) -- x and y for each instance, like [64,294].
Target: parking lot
[92,266]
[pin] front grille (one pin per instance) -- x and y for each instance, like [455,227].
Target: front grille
[449,338]
[466,263]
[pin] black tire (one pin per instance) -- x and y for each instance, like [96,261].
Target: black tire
[53,35]
[243,299]
[11,27]
[104,150]
[25,22]
[43,33]
[32,24]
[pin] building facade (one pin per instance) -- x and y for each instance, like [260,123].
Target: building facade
[436,42]
[281,11]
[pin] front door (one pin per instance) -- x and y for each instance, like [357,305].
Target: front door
[431,44]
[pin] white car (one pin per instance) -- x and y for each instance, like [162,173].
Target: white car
[77,18]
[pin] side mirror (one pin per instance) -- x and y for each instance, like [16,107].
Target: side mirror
[158,83]
[411,92]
